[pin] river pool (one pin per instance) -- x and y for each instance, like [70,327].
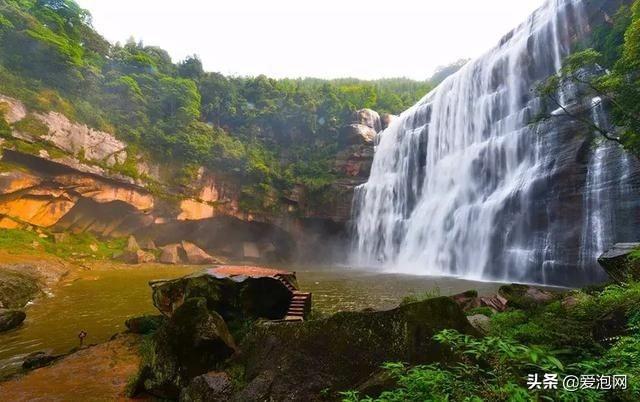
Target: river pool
[100,300]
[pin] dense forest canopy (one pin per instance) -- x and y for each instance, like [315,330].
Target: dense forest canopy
[268,133]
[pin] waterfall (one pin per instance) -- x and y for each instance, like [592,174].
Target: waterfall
[599,199]
[464,183]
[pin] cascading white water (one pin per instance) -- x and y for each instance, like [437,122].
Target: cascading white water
[597,228]
[462,183]
[599,199]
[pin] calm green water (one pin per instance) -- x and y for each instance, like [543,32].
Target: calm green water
[99,302]
[336,289]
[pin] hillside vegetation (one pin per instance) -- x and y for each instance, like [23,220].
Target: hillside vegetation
[267,133]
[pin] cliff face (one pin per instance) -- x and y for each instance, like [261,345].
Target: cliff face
[63,175]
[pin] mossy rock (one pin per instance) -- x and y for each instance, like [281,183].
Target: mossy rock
[192,342]
[39,359]
[10,318]
[622,262]
[299,360]
[235,299]
[525,296]
[17,288]
[144,324]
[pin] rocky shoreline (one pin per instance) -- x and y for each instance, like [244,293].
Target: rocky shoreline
[221,335]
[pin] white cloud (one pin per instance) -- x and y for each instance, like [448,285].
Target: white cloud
[329,38]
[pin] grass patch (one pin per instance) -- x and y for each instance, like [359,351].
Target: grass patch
[72,246]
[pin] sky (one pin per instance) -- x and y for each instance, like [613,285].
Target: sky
[314,38]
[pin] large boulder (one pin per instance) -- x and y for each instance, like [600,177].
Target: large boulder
[10,318]
[297,361]
[210,387]
[18,285]
[132,244]
[192,342]
[133,254]
[620,262]
[357,134]
[524,296]
[169,254]
[233,297]
[467,300]
[193,254]
[369,118]
[480,322]
[138,257]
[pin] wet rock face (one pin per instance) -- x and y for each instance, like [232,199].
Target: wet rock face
[236,298]
[355,161]
[620,264]
[298,361]
[9,319]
